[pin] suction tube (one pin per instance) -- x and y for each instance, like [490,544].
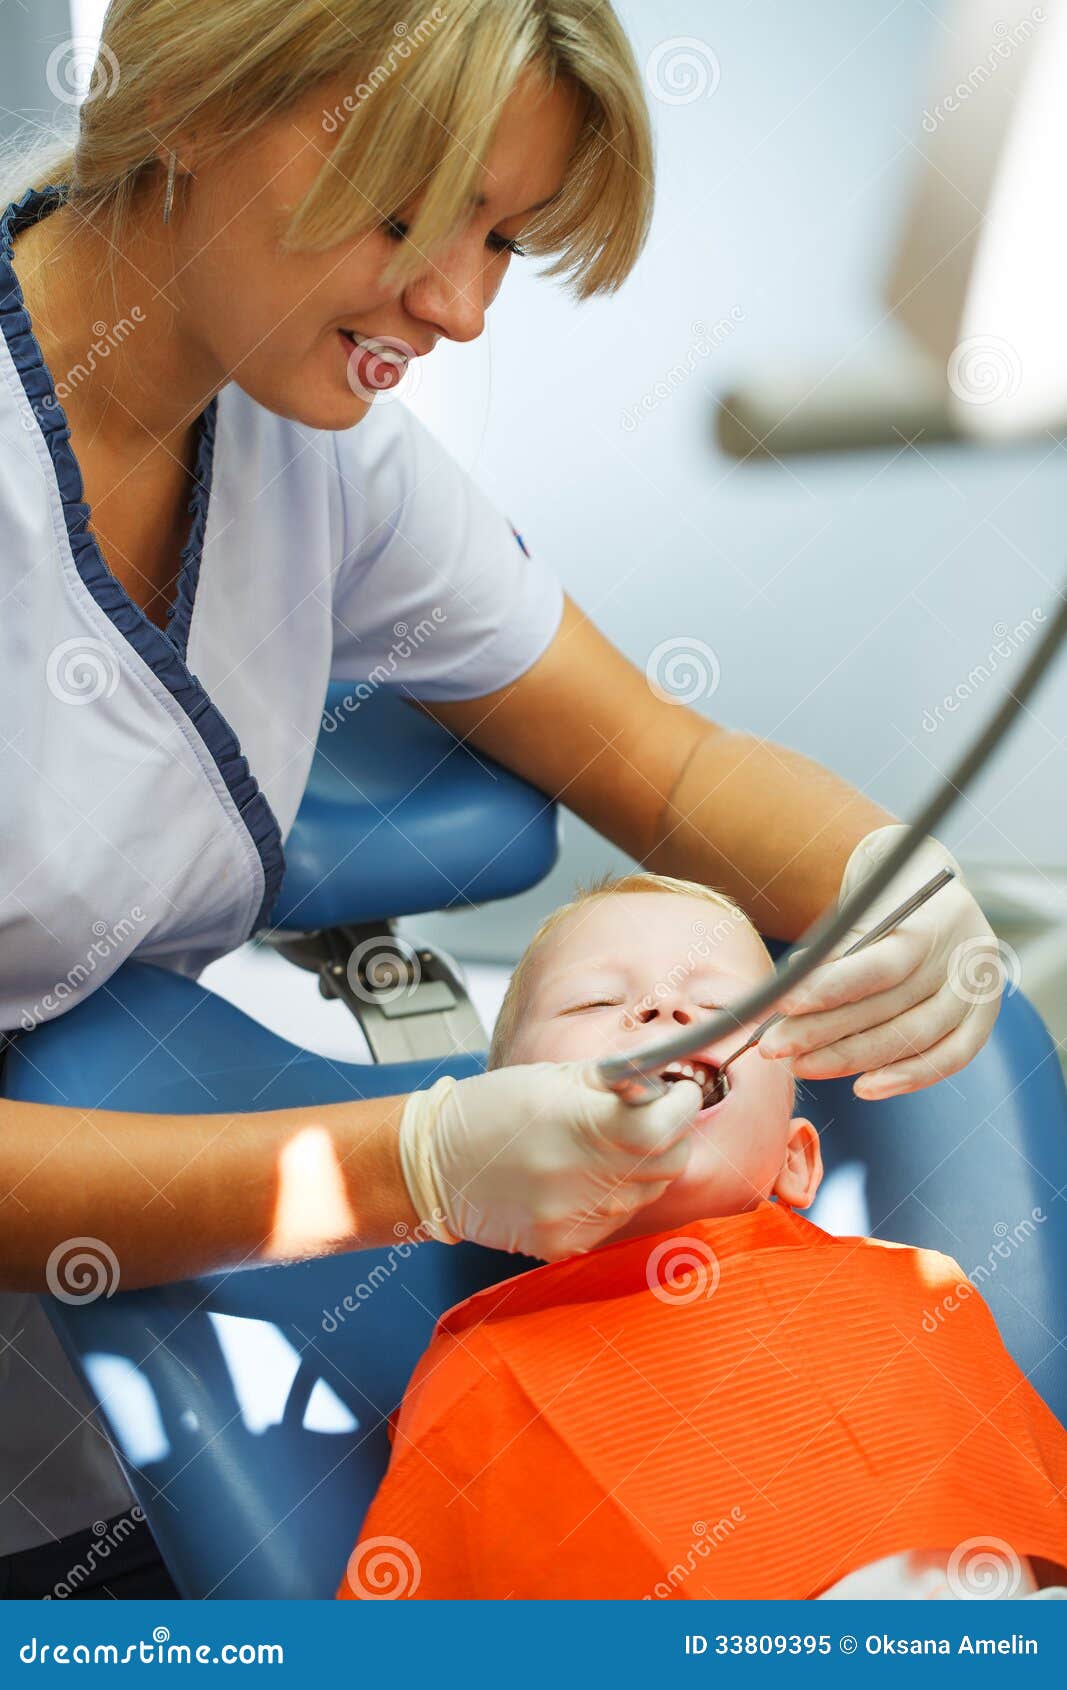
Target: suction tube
[635,1074]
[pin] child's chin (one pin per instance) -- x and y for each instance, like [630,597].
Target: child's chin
[668,1214]
[681,1205]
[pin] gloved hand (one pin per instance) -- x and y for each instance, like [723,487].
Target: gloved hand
[913,1007]
[541,1158]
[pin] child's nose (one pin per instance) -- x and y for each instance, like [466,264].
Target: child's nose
[656,1018]
[676,1009]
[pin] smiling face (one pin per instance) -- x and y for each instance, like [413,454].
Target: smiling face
[273,320]
[630,968]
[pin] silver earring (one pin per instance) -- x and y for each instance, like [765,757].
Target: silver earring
[168,199]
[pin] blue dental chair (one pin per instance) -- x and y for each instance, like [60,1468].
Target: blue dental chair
[250,1408]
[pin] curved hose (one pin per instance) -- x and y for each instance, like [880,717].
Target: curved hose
[633,1075]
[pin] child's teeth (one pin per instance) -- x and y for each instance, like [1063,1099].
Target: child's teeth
[688,1071]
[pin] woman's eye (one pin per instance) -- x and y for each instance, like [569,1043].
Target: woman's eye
[500,243]
[398,230]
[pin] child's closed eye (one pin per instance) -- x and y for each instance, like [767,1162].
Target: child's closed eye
[593,1003]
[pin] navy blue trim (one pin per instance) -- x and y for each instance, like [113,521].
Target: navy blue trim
[163,652]
[181,612]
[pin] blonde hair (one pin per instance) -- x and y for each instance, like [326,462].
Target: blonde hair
[427,85]
[606,886]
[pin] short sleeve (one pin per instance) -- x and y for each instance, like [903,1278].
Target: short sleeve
[436,593]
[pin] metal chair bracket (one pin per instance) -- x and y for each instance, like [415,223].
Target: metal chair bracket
[410,1002]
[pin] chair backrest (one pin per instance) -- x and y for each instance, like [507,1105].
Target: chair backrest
[399,817]
[250,1408]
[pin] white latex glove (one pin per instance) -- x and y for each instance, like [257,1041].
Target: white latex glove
[540,1159]
[912,1008]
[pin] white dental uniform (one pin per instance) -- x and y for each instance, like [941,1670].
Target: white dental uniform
[149,780]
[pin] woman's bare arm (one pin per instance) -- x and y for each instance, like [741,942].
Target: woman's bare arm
[176,1195]
[681,794]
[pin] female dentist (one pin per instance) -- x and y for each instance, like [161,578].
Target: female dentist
[269,208]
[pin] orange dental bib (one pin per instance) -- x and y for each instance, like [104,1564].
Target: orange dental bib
[751,1409]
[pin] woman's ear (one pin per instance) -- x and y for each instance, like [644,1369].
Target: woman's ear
[800,1175]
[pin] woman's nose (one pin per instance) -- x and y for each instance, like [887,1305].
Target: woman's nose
[453,293]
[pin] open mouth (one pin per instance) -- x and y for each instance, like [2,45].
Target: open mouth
[713,1082]
[375,364]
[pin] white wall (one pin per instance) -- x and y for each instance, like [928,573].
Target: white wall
[28,35]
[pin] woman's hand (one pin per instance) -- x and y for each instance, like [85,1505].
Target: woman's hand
[539,1159]
[915,1006]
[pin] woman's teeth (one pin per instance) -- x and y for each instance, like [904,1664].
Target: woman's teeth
[712,1082]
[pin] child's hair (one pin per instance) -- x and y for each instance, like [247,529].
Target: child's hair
[605,886]
[426,87]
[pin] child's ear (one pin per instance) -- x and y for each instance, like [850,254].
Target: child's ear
[800,1175]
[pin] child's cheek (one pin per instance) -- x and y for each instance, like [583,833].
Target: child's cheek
[772,1082]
